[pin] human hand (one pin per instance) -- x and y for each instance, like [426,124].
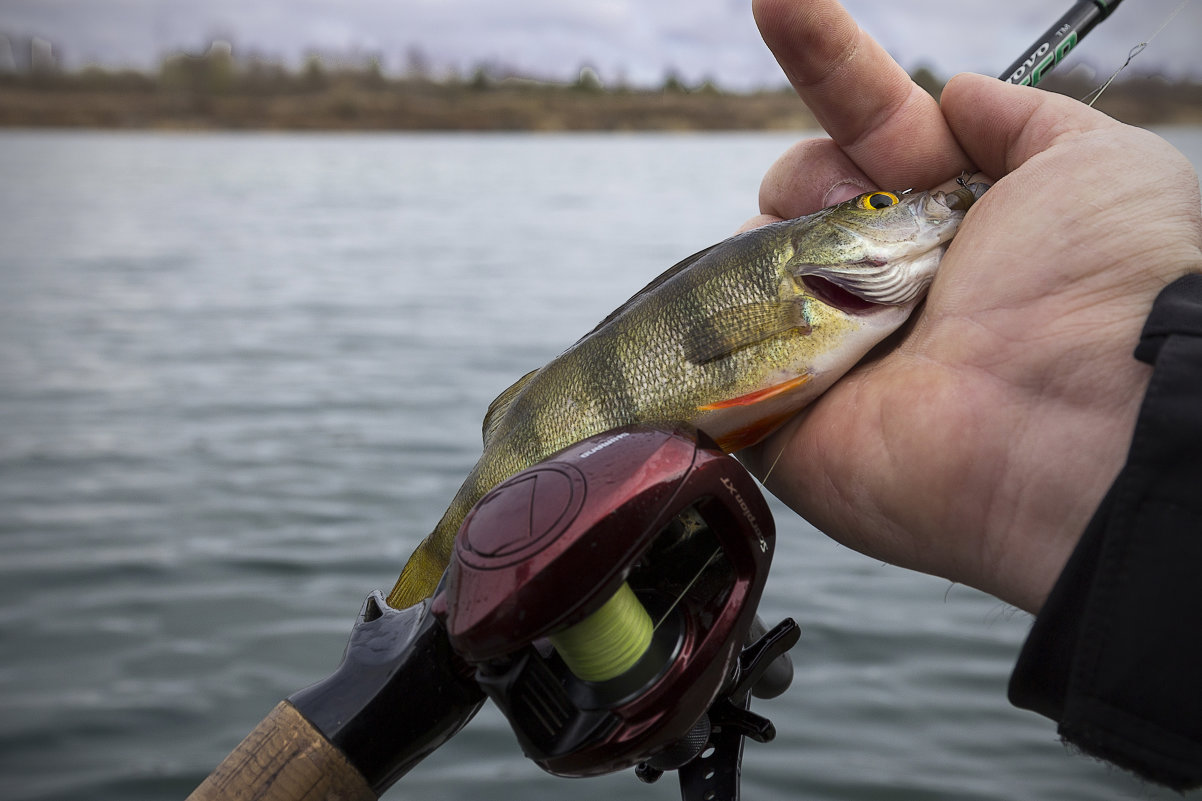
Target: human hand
[979,446]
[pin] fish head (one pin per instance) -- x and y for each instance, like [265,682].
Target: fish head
[860,269]
[880,249]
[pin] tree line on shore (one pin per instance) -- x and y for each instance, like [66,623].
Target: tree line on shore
[219,72]
[218,89]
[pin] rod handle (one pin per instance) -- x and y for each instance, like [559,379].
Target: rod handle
[285,758]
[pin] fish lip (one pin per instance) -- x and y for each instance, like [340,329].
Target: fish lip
[960,199]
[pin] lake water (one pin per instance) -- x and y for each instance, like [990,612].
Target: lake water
[242,375]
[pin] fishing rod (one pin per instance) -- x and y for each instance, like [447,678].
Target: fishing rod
[1056,42]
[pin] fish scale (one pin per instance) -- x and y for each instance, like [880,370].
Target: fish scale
[733,340]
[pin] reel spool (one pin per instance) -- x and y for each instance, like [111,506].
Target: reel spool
[604,596]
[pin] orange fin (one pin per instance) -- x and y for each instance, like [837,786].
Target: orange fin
[747,436]
[759,395]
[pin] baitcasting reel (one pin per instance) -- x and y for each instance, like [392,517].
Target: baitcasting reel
[605,595]
[605,600]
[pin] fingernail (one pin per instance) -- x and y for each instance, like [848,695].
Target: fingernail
[844,190]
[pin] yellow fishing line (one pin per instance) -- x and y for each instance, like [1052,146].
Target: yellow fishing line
[608,642]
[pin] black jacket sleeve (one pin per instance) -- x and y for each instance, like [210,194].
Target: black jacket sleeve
[1115,655]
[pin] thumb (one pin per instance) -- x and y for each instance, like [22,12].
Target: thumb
[1001,126]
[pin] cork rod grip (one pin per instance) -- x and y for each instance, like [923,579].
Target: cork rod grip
[284,759]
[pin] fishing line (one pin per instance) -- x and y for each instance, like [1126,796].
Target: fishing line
[1092,97]
[612,639]
[764,480]
[1089,98]
[608,642]
[680,596]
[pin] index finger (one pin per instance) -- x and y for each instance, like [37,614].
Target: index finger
[889,127]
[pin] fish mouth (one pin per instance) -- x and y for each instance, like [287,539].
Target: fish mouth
[860,287]
[836,296]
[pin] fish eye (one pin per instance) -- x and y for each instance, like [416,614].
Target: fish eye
[877,200]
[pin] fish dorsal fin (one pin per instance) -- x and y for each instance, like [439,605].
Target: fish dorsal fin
[655,284]
[501,403]
[732,329]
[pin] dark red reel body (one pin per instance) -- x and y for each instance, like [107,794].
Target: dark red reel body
[653,507]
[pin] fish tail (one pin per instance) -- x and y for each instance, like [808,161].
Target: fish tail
[420,576]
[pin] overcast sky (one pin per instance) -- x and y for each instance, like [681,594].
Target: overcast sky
[633,40]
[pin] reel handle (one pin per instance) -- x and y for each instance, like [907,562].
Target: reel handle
[714,774]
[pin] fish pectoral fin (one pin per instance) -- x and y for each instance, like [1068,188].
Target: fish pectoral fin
[500,405]
[729,330]
[759,395]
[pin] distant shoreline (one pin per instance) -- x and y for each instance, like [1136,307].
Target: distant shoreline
[424,109]
[350,102]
